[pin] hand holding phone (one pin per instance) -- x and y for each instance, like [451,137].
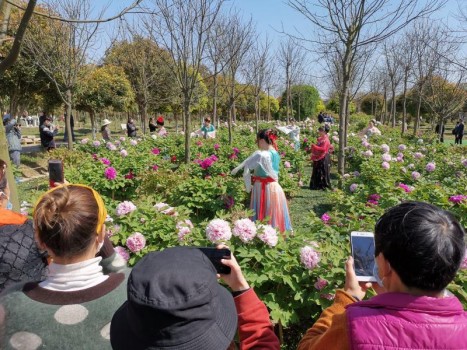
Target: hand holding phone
[363,252]
[215,256]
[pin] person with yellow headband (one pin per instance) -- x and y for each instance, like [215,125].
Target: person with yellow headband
[73,306]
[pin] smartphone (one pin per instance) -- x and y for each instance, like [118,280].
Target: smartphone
[363,253]
[55,171]
[215,255]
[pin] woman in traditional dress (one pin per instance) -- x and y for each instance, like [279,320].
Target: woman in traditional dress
[267,198]
[370,130]
[320,177]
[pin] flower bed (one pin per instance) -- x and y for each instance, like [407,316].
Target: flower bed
[201,203]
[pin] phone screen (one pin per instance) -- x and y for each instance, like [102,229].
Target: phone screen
[215,255]
[55,170]
[363,252]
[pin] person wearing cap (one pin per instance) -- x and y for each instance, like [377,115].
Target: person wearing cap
[175,302]
[160,126]
[105,129]
[73,306]
[48,133]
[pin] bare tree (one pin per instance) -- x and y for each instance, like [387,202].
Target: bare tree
[431,42]
[291,58]
[405,60]
[392,52]
[238,46]
[60,48]
[257,72]
[218,36]
[182,28]
[351,25]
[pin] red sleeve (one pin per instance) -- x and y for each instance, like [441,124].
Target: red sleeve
[255,328]
[323,148]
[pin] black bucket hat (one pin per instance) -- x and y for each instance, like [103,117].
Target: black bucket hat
[174,302]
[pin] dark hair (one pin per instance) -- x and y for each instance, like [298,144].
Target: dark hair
[66,220]
[268,135]
[207,119]
[423,243]
[321,129]
[327,128]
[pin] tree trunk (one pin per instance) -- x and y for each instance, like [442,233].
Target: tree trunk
[416,123]
[69,97]
[257,112]
[92,115]
[287,95]
[393,106]
[229,121]
[404,107]
[4,155]
[214,100]
[342,125]
[269,107]
[187,129]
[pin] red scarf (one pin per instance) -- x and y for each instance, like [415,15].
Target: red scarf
[320,150]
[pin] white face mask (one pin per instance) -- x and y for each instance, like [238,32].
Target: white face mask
[376,275]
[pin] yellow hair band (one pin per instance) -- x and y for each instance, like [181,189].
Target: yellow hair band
[102,211]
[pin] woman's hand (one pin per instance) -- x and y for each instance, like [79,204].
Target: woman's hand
[235,279]
[352,285]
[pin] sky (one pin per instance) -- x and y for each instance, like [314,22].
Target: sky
[272,19]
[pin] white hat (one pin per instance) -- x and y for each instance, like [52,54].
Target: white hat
[106,122]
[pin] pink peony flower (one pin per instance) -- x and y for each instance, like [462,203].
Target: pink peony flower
[245,229]
[346,176]
[122,252]
[155,167]
[130,175]
[406,188]
[374,197]
[411,166]
[136,242]
[384,148]
[464,162]
[367,154]
[236,150]
[353,187]
[111,146]
[123,153]
[96,143]
[218,230]
[402,147]
[124,208]
[325,218]
[269,235]
[105,161]
[184,228]
[122,139]
[84,141]
[385,165]
[464,262]
[458,198]
[321,283]
[386,157]
[216,147]
[356,173]
[309,257]
[199,143]
[133,142]
[418,155]
[164,208]
[156,151]
[110,173]
[287,164]
[430,167]
[415,175]
[335,139]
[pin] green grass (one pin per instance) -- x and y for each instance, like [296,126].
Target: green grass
[307,201]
